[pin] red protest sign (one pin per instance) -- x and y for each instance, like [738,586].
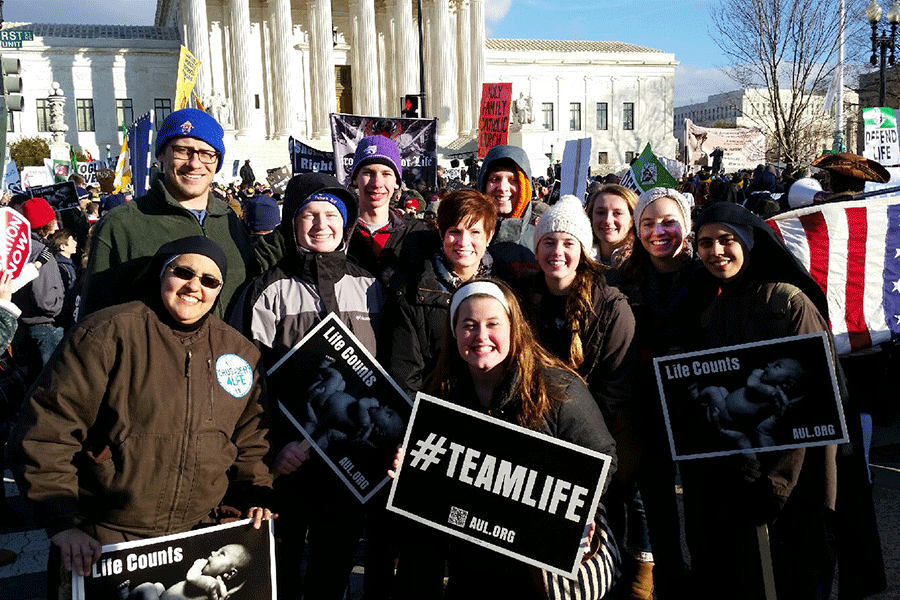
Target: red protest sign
[493,121]
[17,241]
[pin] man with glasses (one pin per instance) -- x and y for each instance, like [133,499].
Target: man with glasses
[190,150]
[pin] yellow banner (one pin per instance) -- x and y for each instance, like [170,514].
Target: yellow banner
[123,168]
[188,67]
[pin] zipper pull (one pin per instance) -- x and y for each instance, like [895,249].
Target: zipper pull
[187,364]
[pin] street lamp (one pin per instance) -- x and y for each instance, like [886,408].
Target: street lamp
[880,40]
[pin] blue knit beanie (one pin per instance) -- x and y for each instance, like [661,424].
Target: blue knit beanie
[325,197]
[262,214]
[192,122]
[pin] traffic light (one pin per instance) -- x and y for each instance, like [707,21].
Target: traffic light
[410,106]
[12,84]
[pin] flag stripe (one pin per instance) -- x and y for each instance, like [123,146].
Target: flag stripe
[873,297]
[855,286]
[836,235]
[816,233]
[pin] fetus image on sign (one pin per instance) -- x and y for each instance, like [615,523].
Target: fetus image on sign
[335,416]
[749,415]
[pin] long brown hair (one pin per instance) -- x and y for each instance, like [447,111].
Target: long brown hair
[579,303]
[531,393]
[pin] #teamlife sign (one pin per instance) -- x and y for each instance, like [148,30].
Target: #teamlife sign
[772,395]
[235,560]
[344,403]
[523,494]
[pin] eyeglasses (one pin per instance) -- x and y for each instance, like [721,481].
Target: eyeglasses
[207,157]
[187,274]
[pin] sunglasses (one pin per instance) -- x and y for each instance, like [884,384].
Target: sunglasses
[187,274]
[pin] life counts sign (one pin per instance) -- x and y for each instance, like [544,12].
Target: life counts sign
[16,241]
[493,121]
[773,395]
[228,561]
[518,492]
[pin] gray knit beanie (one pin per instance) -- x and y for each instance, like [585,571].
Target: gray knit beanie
[568,216]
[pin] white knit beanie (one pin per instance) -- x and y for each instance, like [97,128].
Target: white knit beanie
[568,216]
[655,194]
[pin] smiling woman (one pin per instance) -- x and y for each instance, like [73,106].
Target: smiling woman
[497,367]
[154,377]
[415,324]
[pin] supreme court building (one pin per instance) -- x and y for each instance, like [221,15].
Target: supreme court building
[277,68]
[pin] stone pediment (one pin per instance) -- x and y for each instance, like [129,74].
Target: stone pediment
[511,45]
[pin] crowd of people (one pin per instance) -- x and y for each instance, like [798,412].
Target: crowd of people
[136,404]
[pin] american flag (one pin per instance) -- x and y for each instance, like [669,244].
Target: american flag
[852,250]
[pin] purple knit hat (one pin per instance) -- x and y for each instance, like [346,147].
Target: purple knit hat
[376,149]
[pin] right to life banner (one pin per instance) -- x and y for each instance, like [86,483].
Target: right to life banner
[742,147]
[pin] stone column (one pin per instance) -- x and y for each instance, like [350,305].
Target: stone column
[365,72]
[282,47]
[387,74]
[407,51]
[443,44]
[315,71]
[322,53]
[477,52]
[193,17]
[464,71]
[241,98]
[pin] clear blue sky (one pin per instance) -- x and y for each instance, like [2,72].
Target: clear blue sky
[682,27]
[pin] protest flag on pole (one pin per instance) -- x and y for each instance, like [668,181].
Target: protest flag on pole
[188,67]
[73,159]
[123,166]
[140,152]
[647,172]
[198,102]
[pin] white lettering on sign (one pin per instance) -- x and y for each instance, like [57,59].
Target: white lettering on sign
[503,478]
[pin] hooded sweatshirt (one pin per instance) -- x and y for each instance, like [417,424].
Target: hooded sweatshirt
[513,238]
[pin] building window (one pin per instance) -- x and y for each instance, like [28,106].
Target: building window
[628,116]
[575,116]
[547,109]
[161,109]
[602,116]
[84,113]
[124,112]
[603,158]
[10,126]
[43,114]
[629,156]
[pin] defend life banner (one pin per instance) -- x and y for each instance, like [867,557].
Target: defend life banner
[742,147]
[880,131]
[228,561]
[772,395]
[523,494]
[415,138]
[493,118]
[344,403]
[306,159]
[188,67]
